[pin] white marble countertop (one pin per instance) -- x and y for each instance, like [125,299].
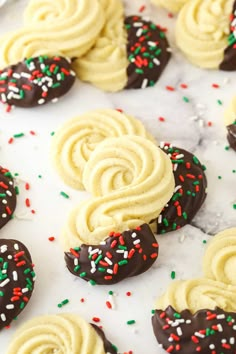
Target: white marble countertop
[196,125]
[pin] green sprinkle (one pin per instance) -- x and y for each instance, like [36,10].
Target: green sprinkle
[1,293]
[110,292]
[19,135]
[234,171]
[172,275]
[52,133]
[17,190]
[22,305]
[185,99]
[234,206]
[123,262]
[196,183]
[16,174]
[5,265]
[77,249]
[204,167]
[92,282]
[77,268]
[63,303]
[219,102]
[195,160]
[204,241]
[2,195]
[98,259]
[174,226]
[115,348]
[56,85]
[26,271]
[83,274]
[101,269]
[139,71]
[185,215]
[219,177]
[122,247]
[227,147]
[8,174]
[152,312]
[39,176]
[177,315]
[130,322]
[63,194]
[165,222]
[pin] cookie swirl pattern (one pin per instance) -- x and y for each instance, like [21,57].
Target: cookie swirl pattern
[76,139]
[63,334]
[65,27]
[202,31]
[130,179]
[219,262]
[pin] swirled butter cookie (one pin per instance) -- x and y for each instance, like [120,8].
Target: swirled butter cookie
[219,262]
[205,32]
[119,256]
[190,190]
[76,139]
[7,196]
[36,81]
[62,334]
[196,315]
[171,5]
[230,123]
[65,27]
[130,180]
[16,280]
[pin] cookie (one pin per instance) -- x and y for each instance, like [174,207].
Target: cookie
[205,33]
[67,27]
[206,331]
[36,81]
[190,190]
[131,52]
[76,139]
[62,333]
[7,196]
[130,180]
[170,5]
[220,257]
[230,123]
[16,280]
[119,256]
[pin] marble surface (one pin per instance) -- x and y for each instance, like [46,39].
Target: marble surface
[196,125]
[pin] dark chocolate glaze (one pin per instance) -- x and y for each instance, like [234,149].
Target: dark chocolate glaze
[118,257]
[7,196]
[36,81]
[148,52]
[16,279]
[229,61]
[190,192]
[206,332]
[232,135]
[108,347]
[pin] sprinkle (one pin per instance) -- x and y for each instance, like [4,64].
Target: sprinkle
[63,194]
[51,238]
[128,293]
[19,135]
[219,102]
[172,275]
[185,99]
[96,319]
[63,303]
[130,322]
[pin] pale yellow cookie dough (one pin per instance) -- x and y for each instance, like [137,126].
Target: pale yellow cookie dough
[65,27]
[131,180]
[75,140]
[202,31]
[61,334]
[230,113]
[197,294]
[171,5]
[105,66]
[219,262]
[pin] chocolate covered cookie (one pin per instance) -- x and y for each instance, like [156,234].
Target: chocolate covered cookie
[7,196]
[119,256]
[190,190]
[16,279]
[230,123]
[36,81]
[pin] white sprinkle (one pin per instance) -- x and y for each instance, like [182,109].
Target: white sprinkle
[24,290]
[223,341]
[234,328]
[180,156]
[232,340]
[94,251]
[106,259]
[3,317]
[220,328]
[93,264]
[170,339]
[136,241]
[139,32]
[212,346]
[179,331]
[109,271]
[156,61]
[144,83]
[160,219]
[4,282]
[76,261]
[9,256]
[4,216]
[126,253]
[72,73]
[175,166]
[54,100]
[4,201]
[199,335]
[16,97]
[9,193]
[93,270]
[10,95]
[16,76]
[10,307]
[25,75]
[152,44]
[120,251]
[44,88]
[3,98]
[134,234]
[188,321]
[14,89]
[177,188]
[41,101]
[137,24]
[16,246]
[58,77]
[220,317]
[3,248]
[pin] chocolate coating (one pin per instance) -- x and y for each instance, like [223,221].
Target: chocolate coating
[207,331]
[118,257]
[148,52]
[229,61]
[16,279]
[7,196]
[190,190]
[35,81]
[232,135]
[108,347]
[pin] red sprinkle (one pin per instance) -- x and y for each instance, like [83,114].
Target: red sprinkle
[27,202]
[10,141]
[142,8]
[96,319]
[27,186]
[184,86]
[170,88]
[108,304]
[51,238]
[128,293]
[161,119]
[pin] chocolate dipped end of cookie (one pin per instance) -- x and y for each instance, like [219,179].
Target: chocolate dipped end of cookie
[118,257]
[16,280]
[36,81]
[229,61]
[148,52]
[206,331]
[7,196]
[232,135]
[190,190]
[108,346]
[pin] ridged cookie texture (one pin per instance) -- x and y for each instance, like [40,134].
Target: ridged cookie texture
[77,138]
[62,334]
[230,123]
[219,262]
[130,179]
[197,294]
[63,27]
[202,31]
[171,5]
[105,65]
